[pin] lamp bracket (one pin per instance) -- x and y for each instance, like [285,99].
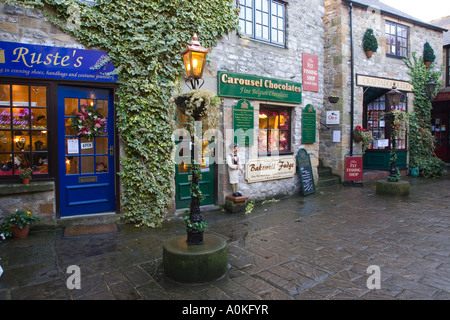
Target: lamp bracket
[194,83]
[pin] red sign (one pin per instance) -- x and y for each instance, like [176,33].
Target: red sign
[353,168]
[442,96]
[310,72]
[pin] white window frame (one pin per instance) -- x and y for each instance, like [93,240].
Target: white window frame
[263,20]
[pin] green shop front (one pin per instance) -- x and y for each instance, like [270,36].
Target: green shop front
[43,90]
[375,105]
[260,115]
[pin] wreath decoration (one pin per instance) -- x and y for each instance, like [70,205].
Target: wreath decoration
[89,122]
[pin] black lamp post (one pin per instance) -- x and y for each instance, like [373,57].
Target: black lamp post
[394,97]
[430,87]
[194,57]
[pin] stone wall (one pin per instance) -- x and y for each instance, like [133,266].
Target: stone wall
[337,61]
[25,25]
[234,54]
[37,197]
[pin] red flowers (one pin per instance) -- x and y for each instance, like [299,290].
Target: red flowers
[359,128]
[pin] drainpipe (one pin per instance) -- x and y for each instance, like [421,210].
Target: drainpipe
[352,92]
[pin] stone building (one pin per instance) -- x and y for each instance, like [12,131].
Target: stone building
[278,53]
[269,77]
[363,82]
[440,114]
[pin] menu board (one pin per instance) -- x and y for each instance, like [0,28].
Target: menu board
[309,124]
[305,172]
[243,122]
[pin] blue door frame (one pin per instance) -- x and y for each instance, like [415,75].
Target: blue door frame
[86,167]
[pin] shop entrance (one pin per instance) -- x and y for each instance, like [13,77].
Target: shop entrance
[439,129]
[183,176]
[86,166]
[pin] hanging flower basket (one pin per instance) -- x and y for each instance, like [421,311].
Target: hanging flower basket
[333,99]
[89,122]
[357,136]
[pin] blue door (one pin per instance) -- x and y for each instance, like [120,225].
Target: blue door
[86,164]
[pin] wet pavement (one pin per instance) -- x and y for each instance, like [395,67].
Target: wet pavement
[338,243]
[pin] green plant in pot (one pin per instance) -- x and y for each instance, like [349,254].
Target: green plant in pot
[18,224]
[370,43]
[428,54]
[25,175]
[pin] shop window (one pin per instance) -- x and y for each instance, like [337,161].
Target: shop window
[375,122]
[396,39]
[274,134]
[23,129]
[263,20]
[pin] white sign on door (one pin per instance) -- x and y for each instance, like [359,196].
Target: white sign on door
[72,146]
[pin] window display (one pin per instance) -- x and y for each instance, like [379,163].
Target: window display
[23,129]
[274,131]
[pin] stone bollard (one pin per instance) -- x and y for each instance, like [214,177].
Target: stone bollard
[235,204]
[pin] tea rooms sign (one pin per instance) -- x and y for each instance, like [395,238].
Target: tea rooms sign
[367,81]
[270,169]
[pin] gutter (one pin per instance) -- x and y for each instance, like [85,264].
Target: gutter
[352,91]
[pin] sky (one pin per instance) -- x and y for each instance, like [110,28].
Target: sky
[423,10]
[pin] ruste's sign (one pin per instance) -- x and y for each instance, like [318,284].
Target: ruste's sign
[246,86]
[35,61]
[270,169]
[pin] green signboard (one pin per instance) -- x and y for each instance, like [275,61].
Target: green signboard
[309,124]
[258,88]
[243,122]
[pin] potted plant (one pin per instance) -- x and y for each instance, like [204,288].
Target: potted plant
[428,54]
[333,98]
[25,175]
[370,43]
[362,135]
[18,224]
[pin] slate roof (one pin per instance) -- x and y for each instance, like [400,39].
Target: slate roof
[444,23]
[393,12]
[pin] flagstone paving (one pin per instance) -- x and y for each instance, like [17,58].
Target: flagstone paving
[316,247]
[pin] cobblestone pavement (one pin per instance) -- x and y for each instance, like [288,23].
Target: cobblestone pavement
[315,247]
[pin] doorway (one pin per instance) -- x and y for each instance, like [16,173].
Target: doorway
[183,176]
[86,166]
[439,129]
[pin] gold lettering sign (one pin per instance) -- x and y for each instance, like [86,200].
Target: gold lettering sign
[382,83]
[270,169]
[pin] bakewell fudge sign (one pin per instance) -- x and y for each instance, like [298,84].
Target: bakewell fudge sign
[270,169]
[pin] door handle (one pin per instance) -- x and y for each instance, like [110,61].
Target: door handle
[111,150]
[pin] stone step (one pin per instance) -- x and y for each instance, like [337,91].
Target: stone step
[331,180]
[324,171]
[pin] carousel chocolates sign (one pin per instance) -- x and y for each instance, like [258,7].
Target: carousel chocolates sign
[246,86]
[270,169]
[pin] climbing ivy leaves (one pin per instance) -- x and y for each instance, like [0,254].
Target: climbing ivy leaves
[144,39]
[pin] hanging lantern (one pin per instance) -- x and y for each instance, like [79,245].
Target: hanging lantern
[194,57]
[394,96]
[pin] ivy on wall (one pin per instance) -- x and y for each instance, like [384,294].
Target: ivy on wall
[421,140]
[144,39]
